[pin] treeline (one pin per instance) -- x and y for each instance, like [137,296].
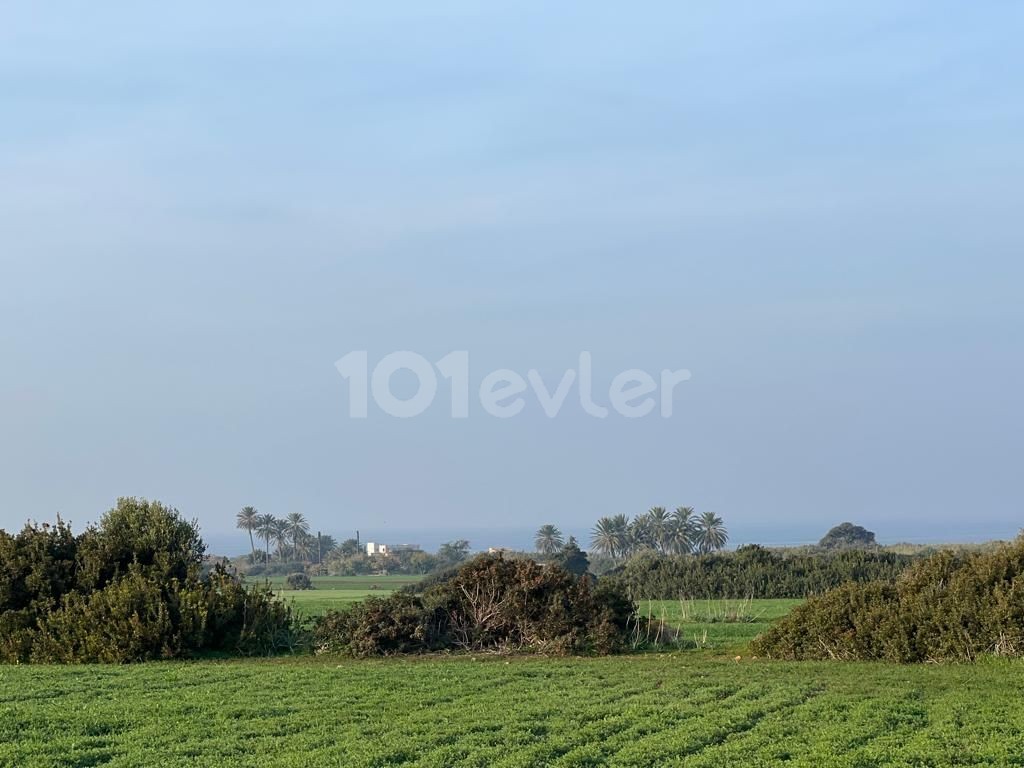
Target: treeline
[289,547]
[753,571]
[679,532]
[132,588]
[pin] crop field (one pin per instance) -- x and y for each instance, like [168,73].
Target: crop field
[337,592]
[720,625]
[717,625]
[691,709]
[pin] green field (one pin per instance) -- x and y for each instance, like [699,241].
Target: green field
[688,709]
[717,625]
[336,592]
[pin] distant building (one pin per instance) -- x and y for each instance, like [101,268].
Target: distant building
[498,550]
[396,548]
[373,548]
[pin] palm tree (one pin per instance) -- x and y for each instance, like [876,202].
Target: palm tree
[548,540]
[246,520]
[621,523]
[297,527]
[265,530]
[605,537]
[639,535]
[659,524]
[684,530]
[711,532]
[281,536]
[304,546]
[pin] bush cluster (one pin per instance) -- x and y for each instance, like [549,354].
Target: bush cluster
[491,603]
[753,572]
[947,607]
[129,589]
[298,581]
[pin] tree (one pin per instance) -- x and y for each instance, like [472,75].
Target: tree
[304,546]
[281,536]
[848,535]
[639,535]
[327,544]
[659,525]
[247,520]
[683,531]
[265,527]
[349,547]
[711,532]
[297,528]
[453,552]
[606,537]
[572,558]
[548,539]
[142,535]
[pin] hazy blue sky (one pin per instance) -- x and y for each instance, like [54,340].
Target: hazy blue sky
[817,208]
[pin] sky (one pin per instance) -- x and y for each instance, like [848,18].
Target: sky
[813,208]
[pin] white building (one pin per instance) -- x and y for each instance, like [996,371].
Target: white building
[372,548]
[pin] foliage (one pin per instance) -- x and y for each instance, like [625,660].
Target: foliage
[848,535]
[491,603]
[452,553]
[945,608]
[752,571]
[548,539]
[139,534]
[129,589]
[298,581]
[658,530]
[247,520]
[572,558]
[358,563]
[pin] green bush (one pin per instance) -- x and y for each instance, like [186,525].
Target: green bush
[298,581]
[947,607]
[379,626]
[130,589]
[752,572]
[491,603]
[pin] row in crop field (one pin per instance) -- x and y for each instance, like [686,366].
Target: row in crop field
[645,710]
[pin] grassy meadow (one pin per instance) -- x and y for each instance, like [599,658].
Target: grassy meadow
[691,709]
[696,706]
[336,592]
[715,625]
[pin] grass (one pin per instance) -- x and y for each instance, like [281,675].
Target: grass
[689,709]
[719,625]
[336,592]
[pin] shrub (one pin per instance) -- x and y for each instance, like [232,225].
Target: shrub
[378,626]
[491,603]
[130,589]
[298,581]
[753,572]
[945,608]
[848,535]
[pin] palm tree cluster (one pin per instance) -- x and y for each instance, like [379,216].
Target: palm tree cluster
[289,535]
[679,532]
